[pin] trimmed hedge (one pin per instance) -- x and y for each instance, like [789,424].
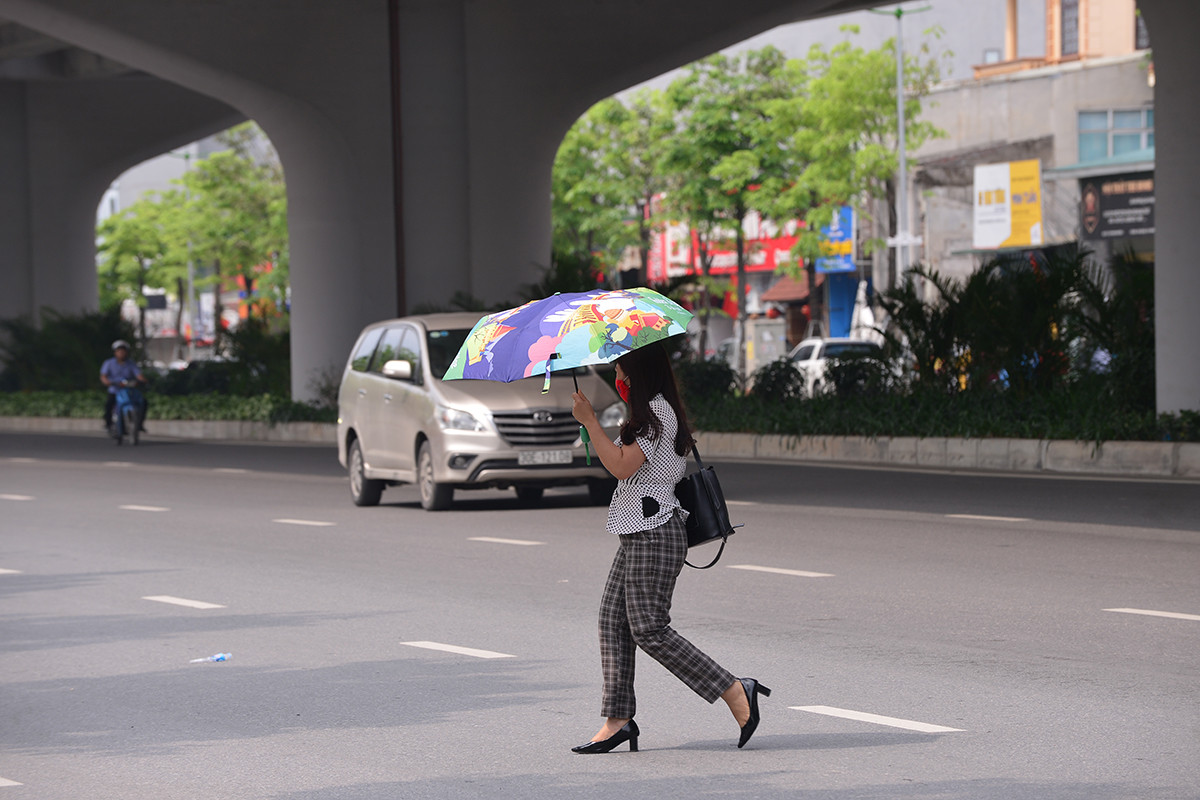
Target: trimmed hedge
[258,408]
[1076,413]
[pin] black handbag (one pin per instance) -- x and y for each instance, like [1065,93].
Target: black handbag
[708,517]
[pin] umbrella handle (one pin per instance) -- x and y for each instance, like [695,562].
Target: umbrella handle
[584,436]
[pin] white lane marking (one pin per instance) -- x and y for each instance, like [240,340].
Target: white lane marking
[144,508]
[494,540]
[22,460]
[10,572]
[1149,613]
[118,463]
[316,523]
[463,651]
[16,497]
[179,601]
[778,571]
[740,503]
[7,782]
[906,724]
[231,470]
[988,518]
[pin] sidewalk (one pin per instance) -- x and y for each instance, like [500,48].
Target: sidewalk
[1176,460]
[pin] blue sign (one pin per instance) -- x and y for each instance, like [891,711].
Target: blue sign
[837,245]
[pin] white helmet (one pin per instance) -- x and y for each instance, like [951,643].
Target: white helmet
[120,343]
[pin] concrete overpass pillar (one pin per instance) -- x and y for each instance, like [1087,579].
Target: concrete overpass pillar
[1173,28]
[61,144]
[316,77]
[434,135]
[16,299]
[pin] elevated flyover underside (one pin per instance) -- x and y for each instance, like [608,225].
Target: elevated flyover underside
[417,136]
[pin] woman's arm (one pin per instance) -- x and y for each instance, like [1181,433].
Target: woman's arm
[622,462]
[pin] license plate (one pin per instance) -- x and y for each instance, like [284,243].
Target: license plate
[529,458]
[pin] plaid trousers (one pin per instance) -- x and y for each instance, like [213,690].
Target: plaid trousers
[635,611]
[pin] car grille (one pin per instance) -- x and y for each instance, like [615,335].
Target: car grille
[539,428]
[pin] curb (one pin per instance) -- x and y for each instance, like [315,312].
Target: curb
[1178,460]
[1037,456]
[215,430]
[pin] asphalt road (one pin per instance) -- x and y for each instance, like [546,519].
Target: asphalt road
[926,635]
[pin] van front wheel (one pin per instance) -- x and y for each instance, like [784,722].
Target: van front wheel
[363,490]
[434,496]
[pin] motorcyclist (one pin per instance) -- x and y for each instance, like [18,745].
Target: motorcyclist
[115,372]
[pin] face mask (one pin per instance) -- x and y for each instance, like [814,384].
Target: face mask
[623,390]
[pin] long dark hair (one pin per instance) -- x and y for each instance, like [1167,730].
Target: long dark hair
[649,371]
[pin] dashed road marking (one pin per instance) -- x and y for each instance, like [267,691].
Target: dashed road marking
[10,572]
[7,782]
[1149,613]
[463,651]
[16,497]
[231,470]
[799,573]
[143,508]
[179,601]
[118,463]
[316,523]
[22,460]
[988,518]
[740,503]
[876,719]
[495,540]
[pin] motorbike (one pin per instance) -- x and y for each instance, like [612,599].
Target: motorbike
[128,413]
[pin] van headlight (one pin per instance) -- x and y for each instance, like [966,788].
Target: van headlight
[457,420]
[613,416]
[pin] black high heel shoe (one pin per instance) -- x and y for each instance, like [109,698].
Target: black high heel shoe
[753,690]
[628,733]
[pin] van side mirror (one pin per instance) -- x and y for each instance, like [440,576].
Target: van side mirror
[398,369]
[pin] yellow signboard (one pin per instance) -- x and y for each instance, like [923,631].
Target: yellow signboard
[1008,204]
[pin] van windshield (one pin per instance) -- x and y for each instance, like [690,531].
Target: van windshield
[443,346]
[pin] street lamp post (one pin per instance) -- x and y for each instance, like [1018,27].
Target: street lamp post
[903,239]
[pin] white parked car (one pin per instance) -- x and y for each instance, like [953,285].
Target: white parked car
[399,422]
[811,355]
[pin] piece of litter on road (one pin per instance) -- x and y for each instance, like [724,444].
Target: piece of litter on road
[217,657]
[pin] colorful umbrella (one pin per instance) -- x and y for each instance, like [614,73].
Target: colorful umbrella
[565,331]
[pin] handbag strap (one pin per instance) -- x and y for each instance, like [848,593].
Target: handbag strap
[716,558]
[696,454]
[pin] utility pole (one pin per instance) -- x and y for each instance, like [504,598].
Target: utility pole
[904,238]
[191,275]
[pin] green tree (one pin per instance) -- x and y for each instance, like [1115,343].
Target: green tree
[236,222]
[137,251]
[606,177]
[842,128]
[725,156]
[228,217]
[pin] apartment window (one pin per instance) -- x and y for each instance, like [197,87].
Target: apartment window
[1141,36]
[1070,27]
[1114,132]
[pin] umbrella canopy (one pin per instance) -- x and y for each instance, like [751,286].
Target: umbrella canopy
[565,331]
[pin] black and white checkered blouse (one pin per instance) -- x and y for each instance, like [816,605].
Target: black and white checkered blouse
[646,498]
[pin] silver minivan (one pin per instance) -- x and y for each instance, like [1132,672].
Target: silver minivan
[399,422]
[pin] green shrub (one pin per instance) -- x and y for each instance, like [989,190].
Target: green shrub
[778,380]
[258,408]
[701,381]
[64,353]
[860,376]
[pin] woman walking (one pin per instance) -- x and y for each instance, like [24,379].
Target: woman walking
[648,459]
